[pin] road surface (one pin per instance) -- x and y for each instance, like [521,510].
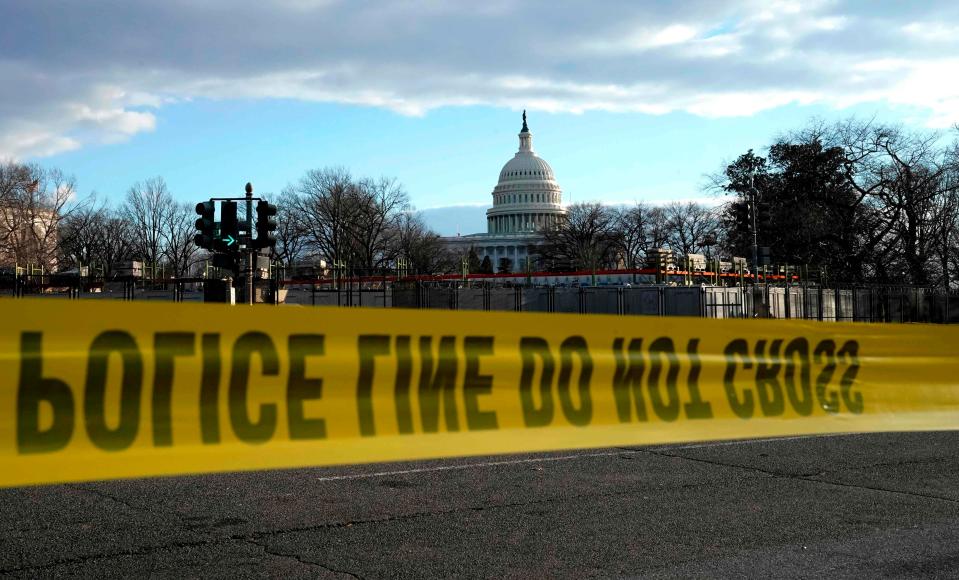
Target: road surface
[847,506]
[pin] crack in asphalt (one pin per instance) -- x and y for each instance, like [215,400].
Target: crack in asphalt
[815,477]
[144,551]
[732,465]
[436,513]
[252,537]
[102,494]
[296,557]
[924,461]
[148,550]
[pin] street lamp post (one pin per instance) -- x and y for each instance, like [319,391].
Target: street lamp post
[709,240]
[249,243]
[757,294]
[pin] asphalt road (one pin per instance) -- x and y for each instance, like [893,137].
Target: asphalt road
[853,506]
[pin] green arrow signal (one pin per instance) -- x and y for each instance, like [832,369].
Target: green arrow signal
[230,240]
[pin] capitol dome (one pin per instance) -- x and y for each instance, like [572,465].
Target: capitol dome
[527,197]
[526,165]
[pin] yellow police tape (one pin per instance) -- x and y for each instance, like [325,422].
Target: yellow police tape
[96,390]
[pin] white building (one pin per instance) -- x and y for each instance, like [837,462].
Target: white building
[526,200]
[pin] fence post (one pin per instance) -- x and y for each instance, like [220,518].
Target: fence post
[915,300]
[805,300]
[768,302]
[820,304]
[838,299]
[855,304]
[742,302]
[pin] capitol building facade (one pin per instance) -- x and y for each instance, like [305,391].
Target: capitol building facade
[526,200]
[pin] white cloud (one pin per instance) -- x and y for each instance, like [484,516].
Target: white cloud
[673,34]
[731,104]
[98,71]
[648,38]
[927,32]
[114,120]
[34,143]
[931,85]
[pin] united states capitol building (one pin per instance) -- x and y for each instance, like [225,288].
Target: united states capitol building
[526,201]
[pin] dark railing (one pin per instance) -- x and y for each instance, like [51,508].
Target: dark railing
[847,303]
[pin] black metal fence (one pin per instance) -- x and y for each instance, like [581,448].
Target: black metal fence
[843,303]
[847,304]
[67,286]
[857,303]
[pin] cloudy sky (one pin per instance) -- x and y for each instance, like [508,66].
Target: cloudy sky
[628,99]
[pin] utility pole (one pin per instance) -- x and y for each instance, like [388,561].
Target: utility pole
[752,190]
[249,243]
[757,295]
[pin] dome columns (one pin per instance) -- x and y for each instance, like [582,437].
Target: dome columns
[521,222]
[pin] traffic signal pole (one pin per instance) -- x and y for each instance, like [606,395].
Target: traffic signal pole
[228,246]
[249,243]
[757,295]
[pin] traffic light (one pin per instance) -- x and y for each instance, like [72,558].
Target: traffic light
[265,225]
[229,239]
[205,225]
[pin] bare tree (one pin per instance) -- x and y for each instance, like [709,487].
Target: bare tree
[585,239]
[420,246]
[14,180]
[177,234]
[379,204]
[325,203]
[345,220]
[80,236]
[34,202]
[904,180]
[96,236]
[639,227]
[945,245]
[116,243]
[147,210]
[688,224]
[291,235]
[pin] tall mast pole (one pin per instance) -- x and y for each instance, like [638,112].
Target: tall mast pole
[249,243]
